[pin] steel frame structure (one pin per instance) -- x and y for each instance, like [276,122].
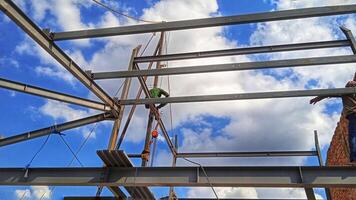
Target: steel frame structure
[300,176]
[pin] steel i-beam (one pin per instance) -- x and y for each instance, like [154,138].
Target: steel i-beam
[208,22]
[29,89]
[337,92]
[56,128]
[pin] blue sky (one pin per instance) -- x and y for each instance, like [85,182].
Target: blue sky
[285,124]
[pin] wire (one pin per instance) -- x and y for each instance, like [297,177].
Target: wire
[73,158]
[71,150]
[33,158]
[149,41]
[122,13]
[118,90]
[207,177]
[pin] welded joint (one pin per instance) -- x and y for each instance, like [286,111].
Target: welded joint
[48,33]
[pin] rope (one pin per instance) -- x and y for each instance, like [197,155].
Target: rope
[73,158]
[122,13]
[207,177]
[33,158]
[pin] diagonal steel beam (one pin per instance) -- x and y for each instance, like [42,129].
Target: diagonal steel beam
[208,22]
[20,18]
[244,51]
[300,62]
[56,128]
[337,92]
[29,89]
[154,110]
[262,176]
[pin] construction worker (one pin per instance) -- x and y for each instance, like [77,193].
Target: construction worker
[349,111]
[157,93]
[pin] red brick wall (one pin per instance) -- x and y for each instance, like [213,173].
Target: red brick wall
[338,154]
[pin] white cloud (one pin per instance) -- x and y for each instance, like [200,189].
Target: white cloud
[284,124]
[61,111]
[35,192]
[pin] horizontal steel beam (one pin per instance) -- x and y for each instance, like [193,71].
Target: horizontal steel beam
[29,89]
[244,51]
[208,22]
[56,128]
[228,67]
[20,18]
[277,176]
[246,154]
[243,96]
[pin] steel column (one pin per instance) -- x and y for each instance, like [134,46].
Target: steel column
[229,67]
[13,12]
[56,128]
[208,22]
[277,176]
[29,89]
[245,96]
[245,50]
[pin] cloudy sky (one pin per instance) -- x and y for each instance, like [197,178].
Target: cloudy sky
[255,125]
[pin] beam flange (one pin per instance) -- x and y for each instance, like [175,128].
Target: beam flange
[20,18]
[337,92]
[277,176]
[245,50]
[56,128]
[208,22]
[29,89]
[300,62]
[244,154]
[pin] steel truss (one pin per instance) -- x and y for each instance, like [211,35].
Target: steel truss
[305,177]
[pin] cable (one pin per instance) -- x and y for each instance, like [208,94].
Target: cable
[71,150]
[207,177]
[122,13]
[73,158]
[33,158]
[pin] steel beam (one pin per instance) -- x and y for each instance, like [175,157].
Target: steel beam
[56,128]
[163,198]
[277,176]
[208,22]
[246,154]
[245,50]
[300,62]
[20,18]
[29,89]
[244,96]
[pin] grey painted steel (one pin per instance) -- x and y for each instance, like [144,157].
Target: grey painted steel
[208,22]
[245,154]
[117,158]
[29,89]
[13,12]
[245,50]
[60,127]
[244,96]
[229,67]
[163,198]
[277,176]
[350,37]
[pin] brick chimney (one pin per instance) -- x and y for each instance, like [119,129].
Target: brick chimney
[338,154]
